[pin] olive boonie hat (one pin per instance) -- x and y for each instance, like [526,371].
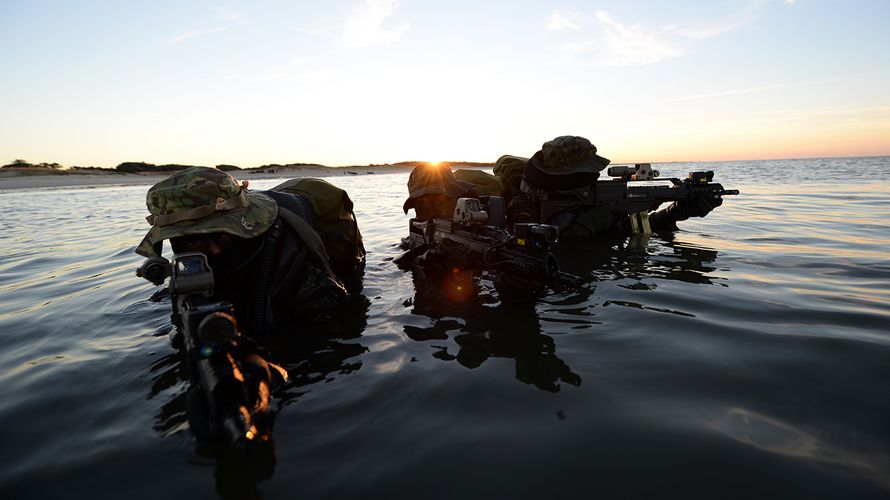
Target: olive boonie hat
[564,163]
[433,179]
[202,200]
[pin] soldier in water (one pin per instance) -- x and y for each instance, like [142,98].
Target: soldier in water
[567,167]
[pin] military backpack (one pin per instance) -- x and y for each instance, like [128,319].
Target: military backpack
[337,225]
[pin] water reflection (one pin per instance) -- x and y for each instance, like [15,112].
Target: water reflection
[775,436]
[488,329]
[311,355]
[639,257]
[238,474]
[321,353]
[483,327]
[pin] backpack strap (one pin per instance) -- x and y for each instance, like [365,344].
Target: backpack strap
[309,236]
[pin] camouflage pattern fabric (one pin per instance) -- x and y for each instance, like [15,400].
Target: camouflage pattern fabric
[202,200]
[433,179]
[337,224]
[316,296]
[567,155]
[484,183]
[577,223]
[565,163]
[508,166]
[509,169]
[591,221]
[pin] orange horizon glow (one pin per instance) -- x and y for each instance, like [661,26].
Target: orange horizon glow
[716,86]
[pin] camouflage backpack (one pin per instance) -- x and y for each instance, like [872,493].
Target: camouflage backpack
[485,183]
[509,169]
[337,225]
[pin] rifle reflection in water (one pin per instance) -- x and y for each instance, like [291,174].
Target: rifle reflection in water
[507,330]
[310,358]
[638,258]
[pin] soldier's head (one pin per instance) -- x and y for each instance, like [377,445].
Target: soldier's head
[433,192]
[204,210]
[567,162]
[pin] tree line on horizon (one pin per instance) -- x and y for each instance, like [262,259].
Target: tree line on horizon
[132,167]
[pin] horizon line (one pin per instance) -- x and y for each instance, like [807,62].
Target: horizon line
[463,162]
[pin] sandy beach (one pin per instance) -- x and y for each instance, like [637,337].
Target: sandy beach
[18,180]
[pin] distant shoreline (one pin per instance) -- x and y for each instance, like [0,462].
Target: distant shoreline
[20,180]
[30,179]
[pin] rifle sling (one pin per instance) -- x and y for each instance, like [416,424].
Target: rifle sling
[309,236]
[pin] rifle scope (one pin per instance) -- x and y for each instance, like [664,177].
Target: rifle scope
[539,235]
[191,274]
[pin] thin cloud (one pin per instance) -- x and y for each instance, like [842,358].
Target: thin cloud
[612,42]
[736,20]
[633,45]
[724,93]
[227,14]
[563,20]
[193,34]
[570,52]
[764,88]
[364,25]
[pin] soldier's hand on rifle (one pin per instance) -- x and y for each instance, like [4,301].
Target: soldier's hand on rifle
[701,206]
[697,206]
[434,259]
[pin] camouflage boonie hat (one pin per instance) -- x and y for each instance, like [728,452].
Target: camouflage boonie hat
[202,200]
[433,179]
[565,162]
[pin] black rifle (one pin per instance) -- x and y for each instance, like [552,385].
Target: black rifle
[628,196]
[230,383]
[522,258]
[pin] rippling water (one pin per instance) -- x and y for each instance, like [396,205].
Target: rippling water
[748,356]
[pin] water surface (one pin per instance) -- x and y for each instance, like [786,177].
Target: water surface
[747,356]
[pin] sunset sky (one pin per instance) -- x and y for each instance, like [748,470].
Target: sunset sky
[372,81]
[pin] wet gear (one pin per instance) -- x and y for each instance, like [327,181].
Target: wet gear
[203,200]
[484,183]
[509,170]
[556,186]
[280,273]
[341,238]
[433,179]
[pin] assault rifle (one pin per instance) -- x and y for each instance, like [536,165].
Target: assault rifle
[472,240]
[230,384]
[635,192]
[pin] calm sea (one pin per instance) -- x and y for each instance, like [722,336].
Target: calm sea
[748,356]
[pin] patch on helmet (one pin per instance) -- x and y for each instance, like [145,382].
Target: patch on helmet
[247,225]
